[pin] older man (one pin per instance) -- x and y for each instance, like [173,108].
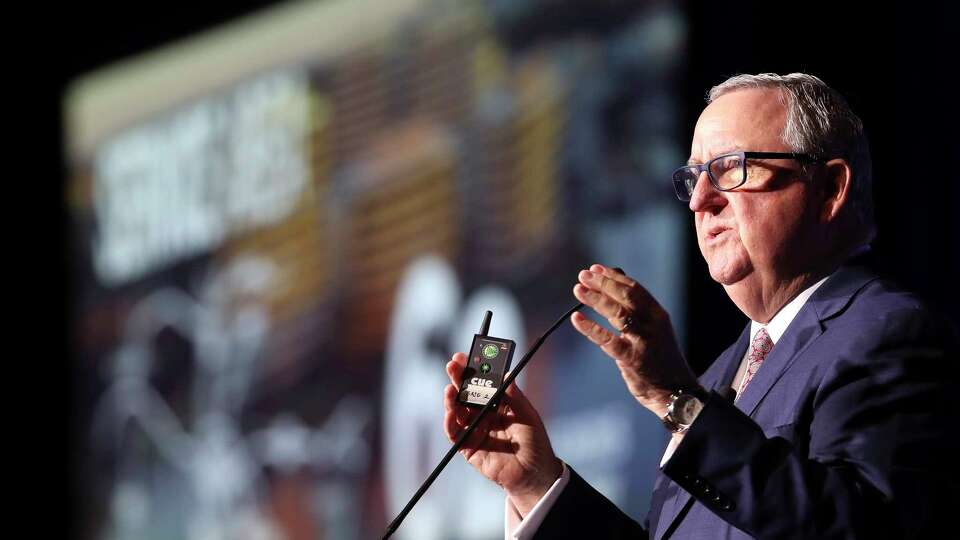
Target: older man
[830,417]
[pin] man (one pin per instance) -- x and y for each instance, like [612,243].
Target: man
[830,417]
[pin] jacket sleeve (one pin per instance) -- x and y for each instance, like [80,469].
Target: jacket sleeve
[583,512]
[879,461]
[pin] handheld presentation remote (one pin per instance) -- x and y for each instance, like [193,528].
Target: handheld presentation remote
[487,364]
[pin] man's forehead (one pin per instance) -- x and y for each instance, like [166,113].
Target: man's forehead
[740,120]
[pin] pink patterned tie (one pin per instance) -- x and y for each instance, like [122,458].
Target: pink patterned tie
[758,351]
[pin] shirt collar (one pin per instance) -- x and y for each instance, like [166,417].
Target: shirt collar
[779,323]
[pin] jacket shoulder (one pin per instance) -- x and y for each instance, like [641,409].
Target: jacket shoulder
[883,309]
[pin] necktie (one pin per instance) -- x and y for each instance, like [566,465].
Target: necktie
[759,349]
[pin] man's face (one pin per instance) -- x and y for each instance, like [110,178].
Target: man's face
[765,228]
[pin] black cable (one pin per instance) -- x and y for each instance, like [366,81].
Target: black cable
[494,400]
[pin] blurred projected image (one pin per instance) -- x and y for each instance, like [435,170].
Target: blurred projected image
[282,229]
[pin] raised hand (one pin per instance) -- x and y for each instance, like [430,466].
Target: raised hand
[645,350]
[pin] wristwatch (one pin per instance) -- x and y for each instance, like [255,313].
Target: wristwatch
[682,409]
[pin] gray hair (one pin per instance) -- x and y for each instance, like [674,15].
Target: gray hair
[820,123]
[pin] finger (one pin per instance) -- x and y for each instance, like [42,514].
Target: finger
[615,272]
[454,424]
[450,397]
[614,346]
[616,291]
[463,418]
[637,293]
[486,439]
[453,428]
[607,307]
[593,331]
[456,416]
[450,426]
[455,368]
[463,415]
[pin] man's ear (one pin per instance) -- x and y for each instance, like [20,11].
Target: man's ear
[836,184]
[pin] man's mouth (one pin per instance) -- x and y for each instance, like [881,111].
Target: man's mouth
[716,231]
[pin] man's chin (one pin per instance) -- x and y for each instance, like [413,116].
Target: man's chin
[727,274]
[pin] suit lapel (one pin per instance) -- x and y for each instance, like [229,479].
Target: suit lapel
[729,363]
[802,331]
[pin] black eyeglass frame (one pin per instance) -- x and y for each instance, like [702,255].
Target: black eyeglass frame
[684,192]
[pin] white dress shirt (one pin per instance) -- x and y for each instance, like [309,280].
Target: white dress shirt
[517,528]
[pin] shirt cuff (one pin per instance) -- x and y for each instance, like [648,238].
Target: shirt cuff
[516,527]
[671,447]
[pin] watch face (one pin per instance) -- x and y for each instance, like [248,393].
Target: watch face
[686,409]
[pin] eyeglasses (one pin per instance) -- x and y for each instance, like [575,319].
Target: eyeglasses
[726,172]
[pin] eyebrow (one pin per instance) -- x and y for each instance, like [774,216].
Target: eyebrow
[728,150]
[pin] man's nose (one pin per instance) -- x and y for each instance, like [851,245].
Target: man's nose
[705,197]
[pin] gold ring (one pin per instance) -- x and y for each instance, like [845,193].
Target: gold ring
[627,324]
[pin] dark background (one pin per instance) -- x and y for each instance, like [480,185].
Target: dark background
[892,64]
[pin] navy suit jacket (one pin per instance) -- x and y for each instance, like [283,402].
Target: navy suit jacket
[848,430]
